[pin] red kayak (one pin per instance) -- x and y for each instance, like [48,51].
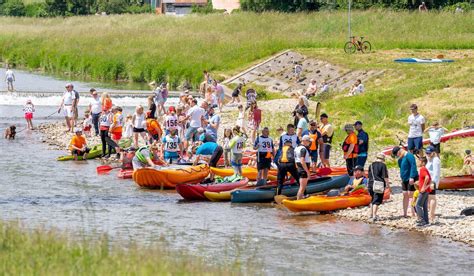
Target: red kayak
[463,133]
[456,182]
[125,174]
[196,191]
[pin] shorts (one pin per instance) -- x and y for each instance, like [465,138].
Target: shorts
[87,128]
[326,150]
[170,156]
[314,156]
[437,147]
[190,133]
[67,111]
[264,163]
[216,155]
[235,95]
[10,80]
[407,187]
[222,96]
[80,153]
[138,130]
[415,143]
[376,197]
[433,191]
[28,115]
[116,136]
[301,172]
[236,159]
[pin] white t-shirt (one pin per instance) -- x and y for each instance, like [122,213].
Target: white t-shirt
[434,167]
[435,135]
[196,113]
[359,89]
[96,105]
[139,121]
[214,100]
[171,122]
[415,123]
[69,97]
[9,75]
[312,87]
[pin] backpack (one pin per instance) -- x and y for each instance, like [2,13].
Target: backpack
[287,155]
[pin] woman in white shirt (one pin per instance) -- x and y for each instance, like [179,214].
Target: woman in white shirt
[139,124]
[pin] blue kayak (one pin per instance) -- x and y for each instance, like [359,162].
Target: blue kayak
[267,194]
[423,60]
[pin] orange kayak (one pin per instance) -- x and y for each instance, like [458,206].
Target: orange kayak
[325,203]
[169,178]
[456,182]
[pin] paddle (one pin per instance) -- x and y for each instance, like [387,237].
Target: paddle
[105,169]
[51,114]
[317,111]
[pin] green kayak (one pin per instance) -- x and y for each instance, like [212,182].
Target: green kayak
[96,151]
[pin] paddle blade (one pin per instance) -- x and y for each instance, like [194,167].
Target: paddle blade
[324,171]
[104,169]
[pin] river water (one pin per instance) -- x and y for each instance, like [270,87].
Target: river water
[38,191]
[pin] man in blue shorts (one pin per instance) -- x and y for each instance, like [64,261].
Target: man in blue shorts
[416,121]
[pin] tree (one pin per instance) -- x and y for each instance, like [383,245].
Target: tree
[13,8]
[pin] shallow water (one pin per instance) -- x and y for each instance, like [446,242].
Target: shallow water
[39,191]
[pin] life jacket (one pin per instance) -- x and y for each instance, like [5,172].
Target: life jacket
[326,138]
[287,154]
[151,125]
[140,156]
[346,145]
[314,145]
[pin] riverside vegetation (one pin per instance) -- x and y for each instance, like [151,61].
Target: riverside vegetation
[142,48]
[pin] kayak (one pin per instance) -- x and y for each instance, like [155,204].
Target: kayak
[218,196]
[456,182]
[335,171]
[245,160]
[248,172]
[423,60]
[463,133]
[125,173]
[265,194]
[168,178]
[327,203]
[196,191]
[96,151]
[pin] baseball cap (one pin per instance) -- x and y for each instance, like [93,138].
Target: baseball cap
[395,150]
[348,127]
[358,168]
[430,149]
[306,138]
[380,156]
[358,123]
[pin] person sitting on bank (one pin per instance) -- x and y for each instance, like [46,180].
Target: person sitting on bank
[312,88]
[357,88]
[78,145]
[145,156]
[359,179]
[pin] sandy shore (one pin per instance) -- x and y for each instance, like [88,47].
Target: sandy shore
[448,224]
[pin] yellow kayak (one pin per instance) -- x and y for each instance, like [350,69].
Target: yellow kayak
[218,196]
[325,203]
[250,172]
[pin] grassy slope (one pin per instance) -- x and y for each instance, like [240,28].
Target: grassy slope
[146,47]
[41,252]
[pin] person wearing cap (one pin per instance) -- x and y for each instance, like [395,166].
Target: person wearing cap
[317,141]
[75,104]
[95,109]
[302,127]
[303,163]
[171,120]
[434,168]
[377,172]
[212,124]
[195,115]
[172,146]
[265,150]
[416,122]
[350,148]
[358,179]
[67,106]
[327,132]
[78,145]
[363,140]
[435,132]
[29,109]
[286,164]
[408,174]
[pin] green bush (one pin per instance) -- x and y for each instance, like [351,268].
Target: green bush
[36,10]
[133,9]
[13,8]
[465,6]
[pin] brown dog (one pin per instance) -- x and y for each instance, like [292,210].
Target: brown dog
[10,132]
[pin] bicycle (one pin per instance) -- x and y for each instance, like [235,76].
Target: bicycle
[355,44]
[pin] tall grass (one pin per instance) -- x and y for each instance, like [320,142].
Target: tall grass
[147,47]
[41,252]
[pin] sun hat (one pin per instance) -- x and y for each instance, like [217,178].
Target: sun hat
[77,129]
[306,138]
[349,127]
[359,168]
[380,156]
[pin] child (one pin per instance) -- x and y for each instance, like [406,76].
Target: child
[227,137]
[251,96]
[469,162]
[29,108]
[241,118]
[171,120]
[424,190]
[435,132]
[116,127]
[172,146]
[106,101]
[128,127]
[181,124]
[139,125]
[87,124]
[237,145]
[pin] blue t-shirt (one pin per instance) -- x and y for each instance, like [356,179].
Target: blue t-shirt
[209,129]
[364,147]
[407,166]
[207,148]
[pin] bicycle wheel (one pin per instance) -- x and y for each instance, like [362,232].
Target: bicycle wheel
[366,47]
[350,48]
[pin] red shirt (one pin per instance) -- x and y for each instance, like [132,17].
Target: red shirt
[424,174]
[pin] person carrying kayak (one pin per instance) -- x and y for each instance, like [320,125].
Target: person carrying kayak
[172,146]
[78,145]
[316,142]
[363,140]
[358,179]
[237,144]
[210,152]
[303,163]
[145,156]
[408,174]
[327,132]
[265,149]
[286,164]
[350,148]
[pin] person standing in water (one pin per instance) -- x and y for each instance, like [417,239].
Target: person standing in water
[9,79]
[66,105]
[265,150]
[29,109]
